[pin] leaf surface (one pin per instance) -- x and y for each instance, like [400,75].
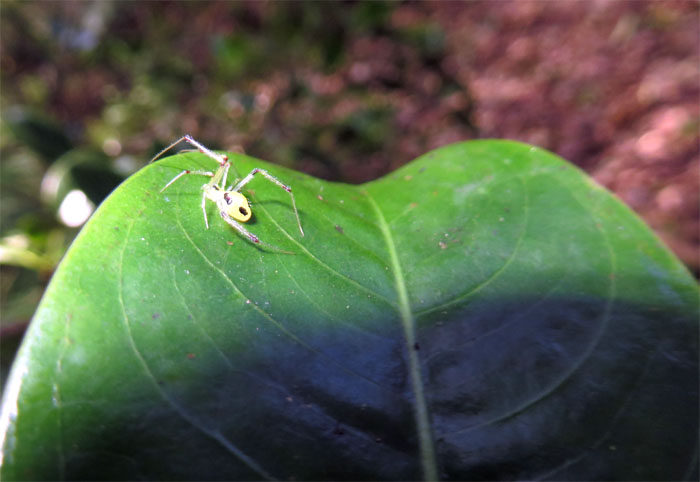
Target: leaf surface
[485,312]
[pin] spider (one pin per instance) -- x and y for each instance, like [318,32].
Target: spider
[233,206]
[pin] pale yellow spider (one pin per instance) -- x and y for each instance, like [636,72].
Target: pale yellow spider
[233,206]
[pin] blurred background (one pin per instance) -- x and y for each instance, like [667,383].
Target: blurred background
[346,91]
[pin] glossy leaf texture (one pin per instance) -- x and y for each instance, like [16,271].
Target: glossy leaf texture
[485,312]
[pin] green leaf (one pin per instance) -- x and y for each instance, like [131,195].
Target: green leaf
[485,312]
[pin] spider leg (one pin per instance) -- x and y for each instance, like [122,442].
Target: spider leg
[204,208]
[223,181]
[276,181]
[187,171]
[168,148]
[190,140]
[222,160]
[251,237]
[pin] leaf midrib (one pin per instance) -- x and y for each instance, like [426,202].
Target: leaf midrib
[425,439]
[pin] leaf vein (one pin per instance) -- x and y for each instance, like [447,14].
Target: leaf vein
[613,420]
[184,414]
[605,319]
[494,276]
[425,439]
[196,321]
[327,267]
[262,312]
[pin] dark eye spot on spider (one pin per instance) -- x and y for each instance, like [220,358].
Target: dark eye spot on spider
[339,229]
[243,211]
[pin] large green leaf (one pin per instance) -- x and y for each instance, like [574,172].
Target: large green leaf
[485,312]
